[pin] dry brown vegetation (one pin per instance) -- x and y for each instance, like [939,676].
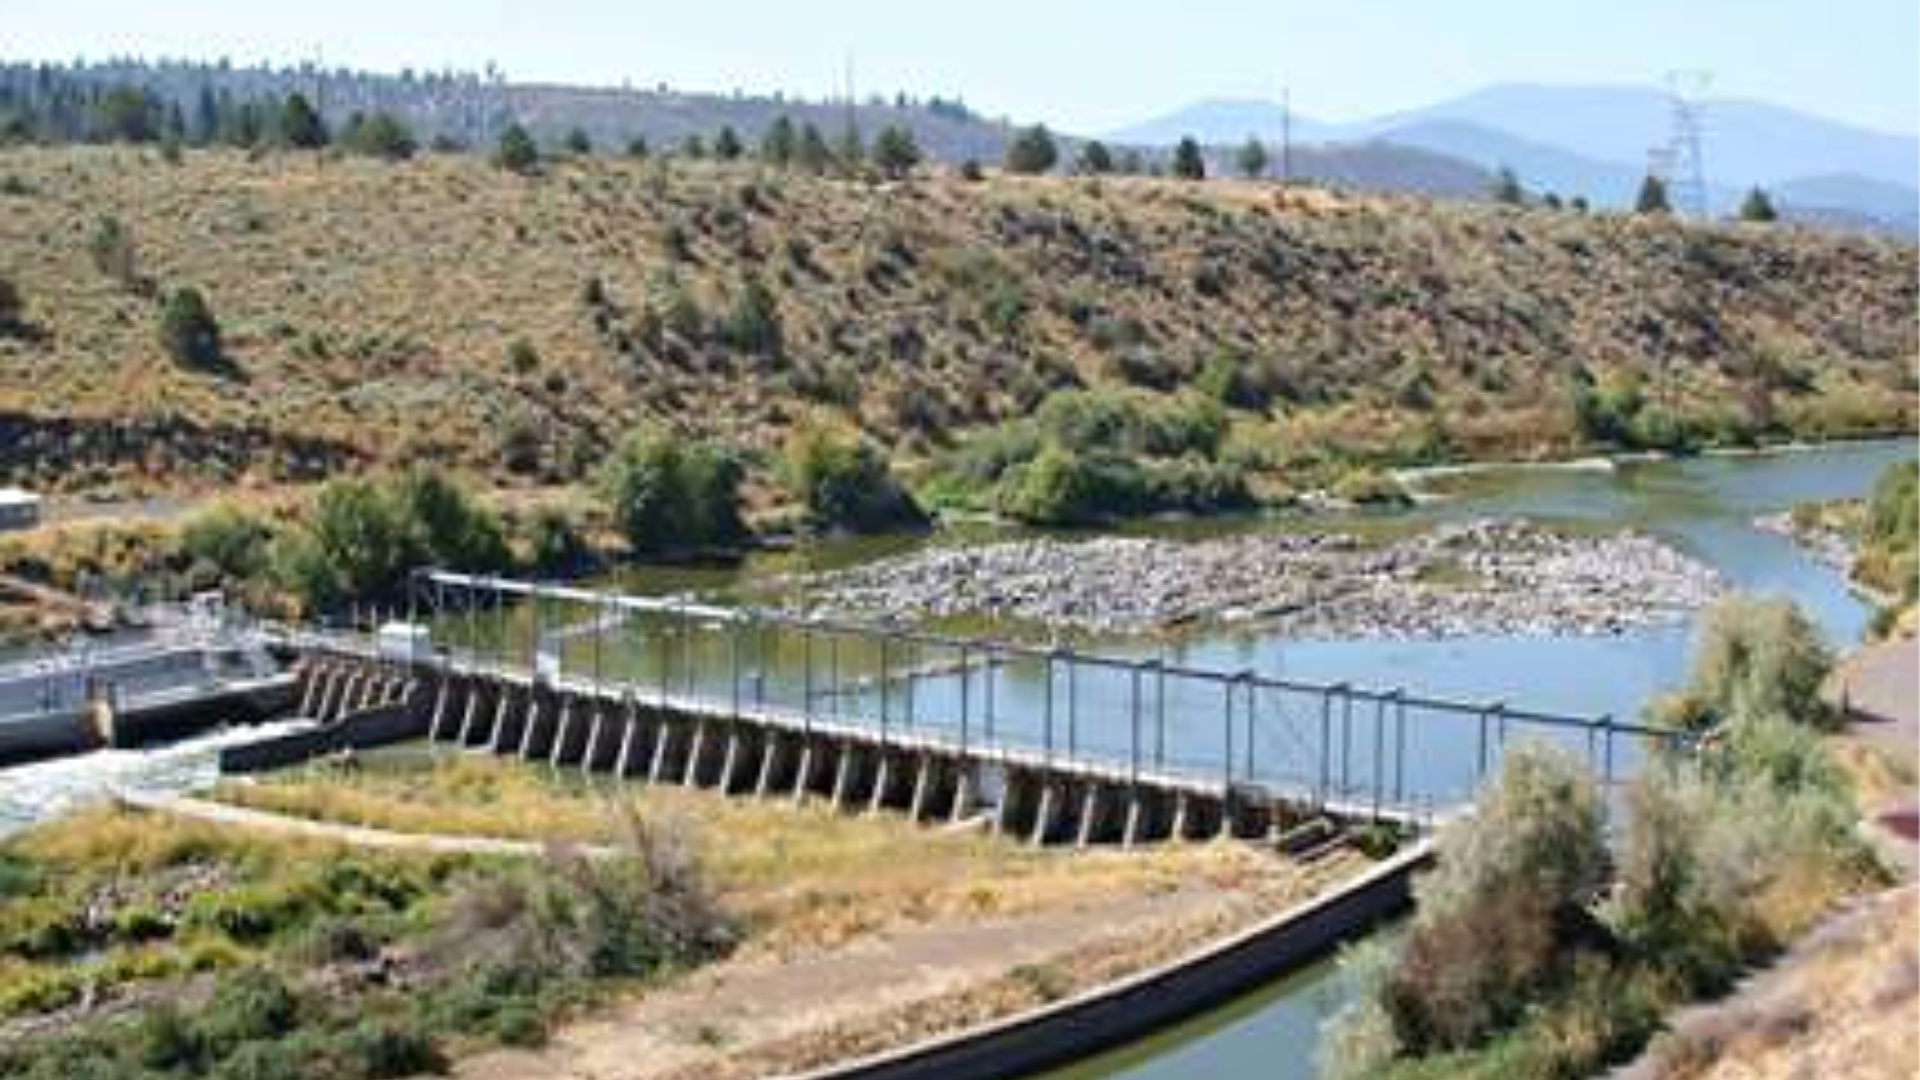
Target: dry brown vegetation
[1846,1003]
[370,312]
[803,877]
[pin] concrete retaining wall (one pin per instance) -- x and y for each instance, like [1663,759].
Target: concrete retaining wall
[1123,1012]
[378,726]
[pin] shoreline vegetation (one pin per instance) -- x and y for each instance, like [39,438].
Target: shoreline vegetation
[342,546]
[1540,947]
[1873,540]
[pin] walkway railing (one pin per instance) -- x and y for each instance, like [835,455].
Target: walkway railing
[1383,749]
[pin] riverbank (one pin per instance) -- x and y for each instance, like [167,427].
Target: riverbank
[1482,577]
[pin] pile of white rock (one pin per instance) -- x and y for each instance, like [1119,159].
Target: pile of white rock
[1480,577]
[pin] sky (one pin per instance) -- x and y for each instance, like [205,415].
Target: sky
[1085,66]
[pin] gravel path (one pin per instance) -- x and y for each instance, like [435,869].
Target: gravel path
[1483,577]
[220,813]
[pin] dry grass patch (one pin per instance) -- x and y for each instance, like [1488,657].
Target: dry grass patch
[801,877]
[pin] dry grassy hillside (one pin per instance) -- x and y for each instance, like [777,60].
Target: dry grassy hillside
[370,312]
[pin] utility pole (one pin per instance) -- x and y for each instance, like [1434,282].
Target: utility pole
[1286,135]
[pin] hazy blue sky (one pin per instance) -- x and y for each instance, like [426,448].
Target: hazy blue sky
[1086,65]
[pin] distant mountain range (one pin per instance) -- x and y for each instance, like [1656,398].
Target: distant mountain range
[1593,141]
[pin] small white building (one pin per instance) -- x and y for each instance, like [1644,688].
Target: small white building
[19,509]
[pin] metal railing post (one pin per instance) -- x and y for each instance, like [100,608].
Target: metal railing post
[1399,745]
[733,647]
[1226,730]
[806,676]
[886,644]
[1073,706]
[1133,714]
[1606,739]
[1046,713]
[1323,781]
[987,691]
[966,679]
[1159,713]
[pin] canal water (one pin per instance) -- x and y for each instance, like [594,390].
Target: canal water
[1705,505]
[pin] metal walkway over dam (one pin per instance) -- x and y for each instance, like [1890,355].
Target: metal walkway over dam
[1044,743]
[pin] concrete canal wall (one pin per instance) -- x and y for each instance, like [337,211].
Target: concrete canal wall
[1122,1012]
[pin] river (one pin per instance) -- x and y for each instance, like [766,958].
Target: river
[1705,505]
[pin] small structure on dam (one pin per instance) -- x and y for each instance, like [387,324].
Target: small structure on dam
[176,679]
[1048,744]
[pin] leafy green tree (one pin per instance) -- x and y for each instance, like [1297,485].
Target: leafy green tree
[779,143]
[637,148]
[693,147]
[812,152]
[188,331]
[845,483]
[382,135]
[517,151]
[578,142]
[1094,160]
[1252,158]
[301,125]
[1506,188]
[1188,162]
[364,543]
[1653,197]
[727,145]
[895,153]
[1758,207]
[228,540]
[445,526]
[666,496]
[1032,151]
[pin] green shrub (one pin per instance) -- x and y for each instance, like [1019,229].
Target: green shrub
[753,323]
[555,544]
[845,483]
[166,1040]
[335,939]
[188,332]
[1500,916]
[667,496]
[228,539]
[247,1005]
[361,538]
[378,1049]
[1756,657]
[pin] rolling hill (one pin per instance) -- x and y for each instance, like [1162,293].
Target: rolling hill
[445,309]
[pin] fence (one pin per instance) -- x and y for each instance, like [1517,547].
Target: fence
[1360,748]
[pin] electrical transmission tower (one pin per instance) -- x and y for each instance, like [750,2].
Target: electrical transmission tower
[1685,171]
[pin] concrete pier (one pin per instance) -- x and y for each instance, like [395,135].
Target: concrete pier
[1041,801]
